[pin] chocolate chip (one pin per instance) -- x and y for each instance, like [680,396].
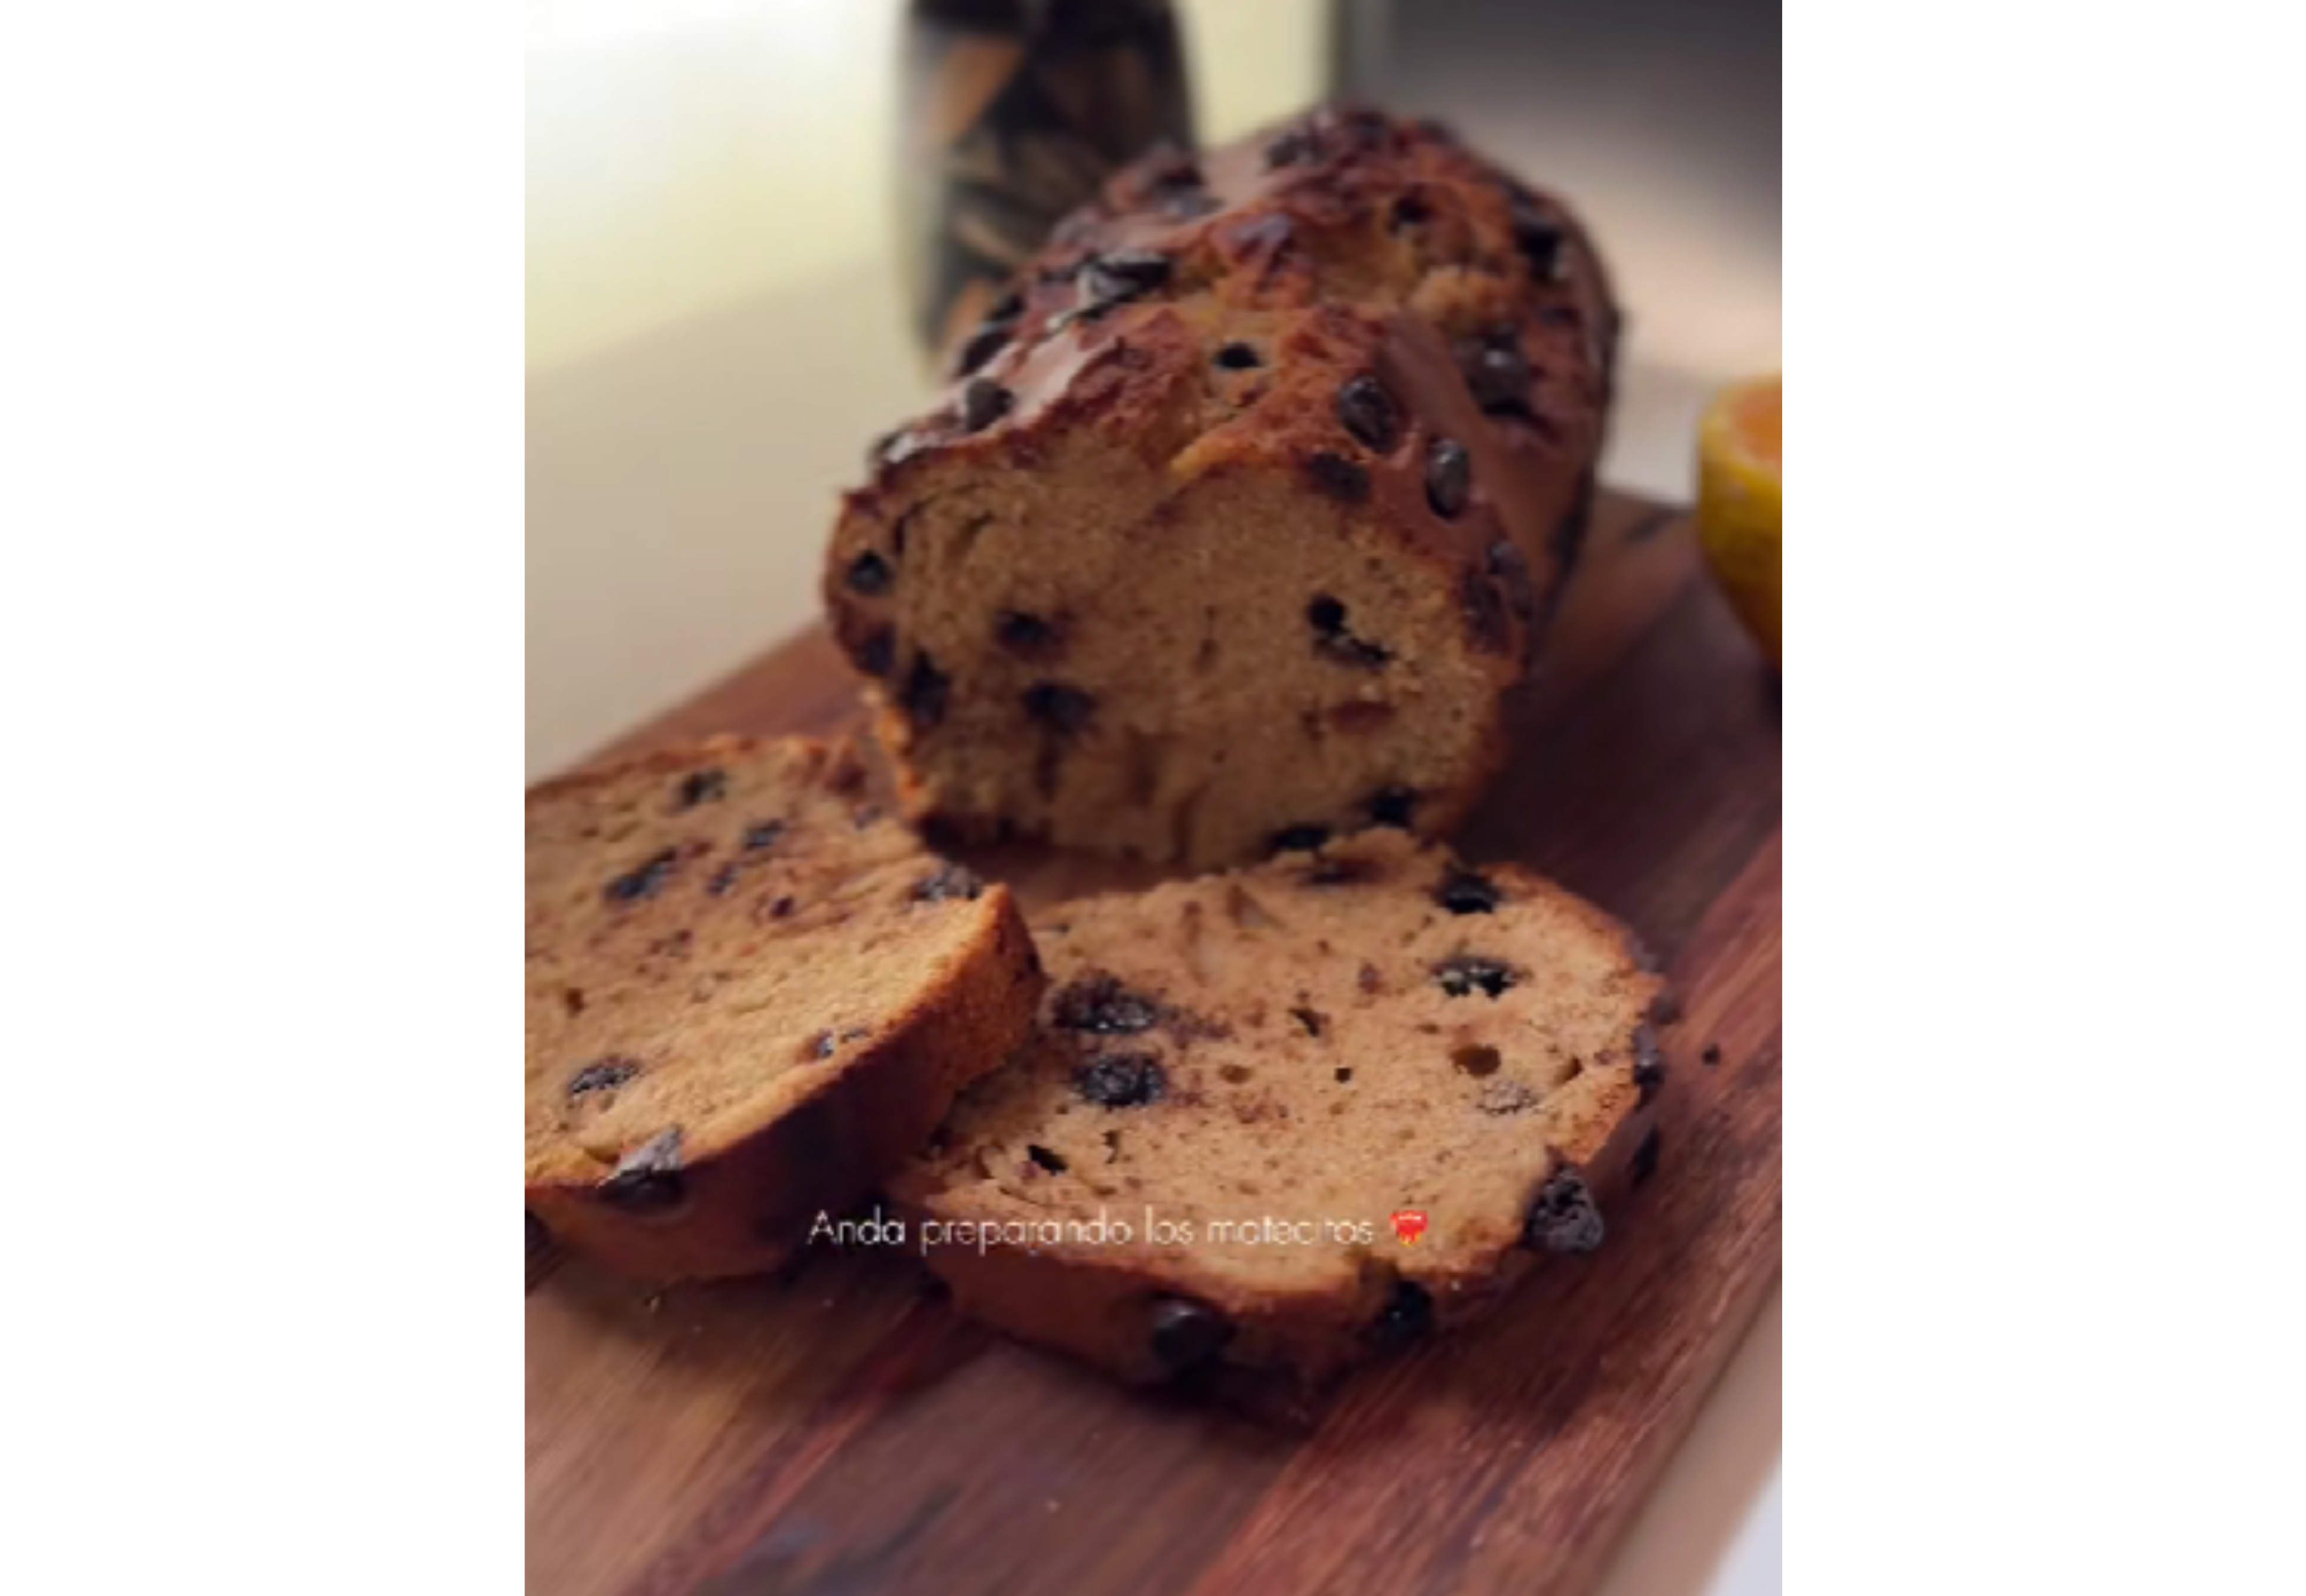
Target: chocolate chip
[1053,1163]
[1271,231]
[604,1075]
[1463,974]
[1237,356]
[1184,1334]
[1064,709]
[1644,1161]
[876,653]
[1448,478]
[1172,180]
[1392,805]
[645,880]
[1297,145]
[1312,1020]
[700,787]
[782,908]
[895,448]
[1368,980]
[723,882]
[1649,1063]
[647,1179]
[1123,1081]
[1537,236]
[1562,1217]
[1497,371]
[926,693]
[1488,628]
[1465,892]
[1711,1056]
[764,834]
[983,344]
[982,402]
[1331,640]
[1369,413]
[1338,476]
[1407,1315]
[1123,275]
[1511,571]
[1141,268]
[1028,636]
[1298,839]
[947,882]
[1101,1006]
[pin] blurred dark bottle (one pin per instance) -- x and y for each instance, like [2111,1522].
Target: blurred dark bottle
[1015,112]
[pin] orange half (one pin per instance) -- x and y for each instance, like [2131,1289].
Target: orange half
[1740,503]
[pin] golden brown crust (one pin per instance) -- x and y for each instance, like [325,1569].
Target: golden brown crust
[661,1005]
[1269,1043]
[1345,350]
[1094,1304]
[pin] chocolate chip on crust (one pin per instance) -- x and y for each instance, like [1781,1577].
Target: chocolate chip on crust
[647,1179]
[1562,1217]
[1184,1334]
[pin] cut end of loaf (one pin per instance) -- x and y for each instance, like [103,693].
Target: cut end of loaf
[1208,614]
[1245,505]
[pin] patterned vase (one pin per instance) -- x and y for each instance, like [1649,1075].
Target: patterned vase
[1014,113]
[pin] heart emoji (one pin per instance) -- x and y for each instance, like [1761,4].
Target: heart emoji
[1409,1225]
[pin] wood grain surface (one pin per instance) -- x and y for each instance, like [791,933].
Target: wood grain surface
[840,1430]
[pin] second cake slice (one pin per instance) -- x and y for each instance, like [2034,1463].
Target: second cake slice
[1290,1116]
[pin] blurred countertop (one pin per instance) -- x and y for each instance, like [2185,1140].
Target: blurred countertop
[716,330]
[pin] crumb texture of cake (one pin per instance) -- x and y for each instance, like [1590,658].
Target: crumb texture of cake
[1247,507]
[750,994]
[1255,1072]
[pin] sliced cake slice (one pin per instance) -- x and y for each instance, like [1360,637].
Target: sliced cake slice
[1288,1116]
[750,996]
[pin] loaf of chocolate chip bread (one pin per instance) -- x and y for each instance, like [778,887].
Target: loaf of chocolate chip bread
[1248,1089]
[749,997]
[1247,507]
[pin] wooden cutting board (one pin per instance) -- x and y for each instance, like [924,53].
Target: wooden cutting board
[840,1430]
